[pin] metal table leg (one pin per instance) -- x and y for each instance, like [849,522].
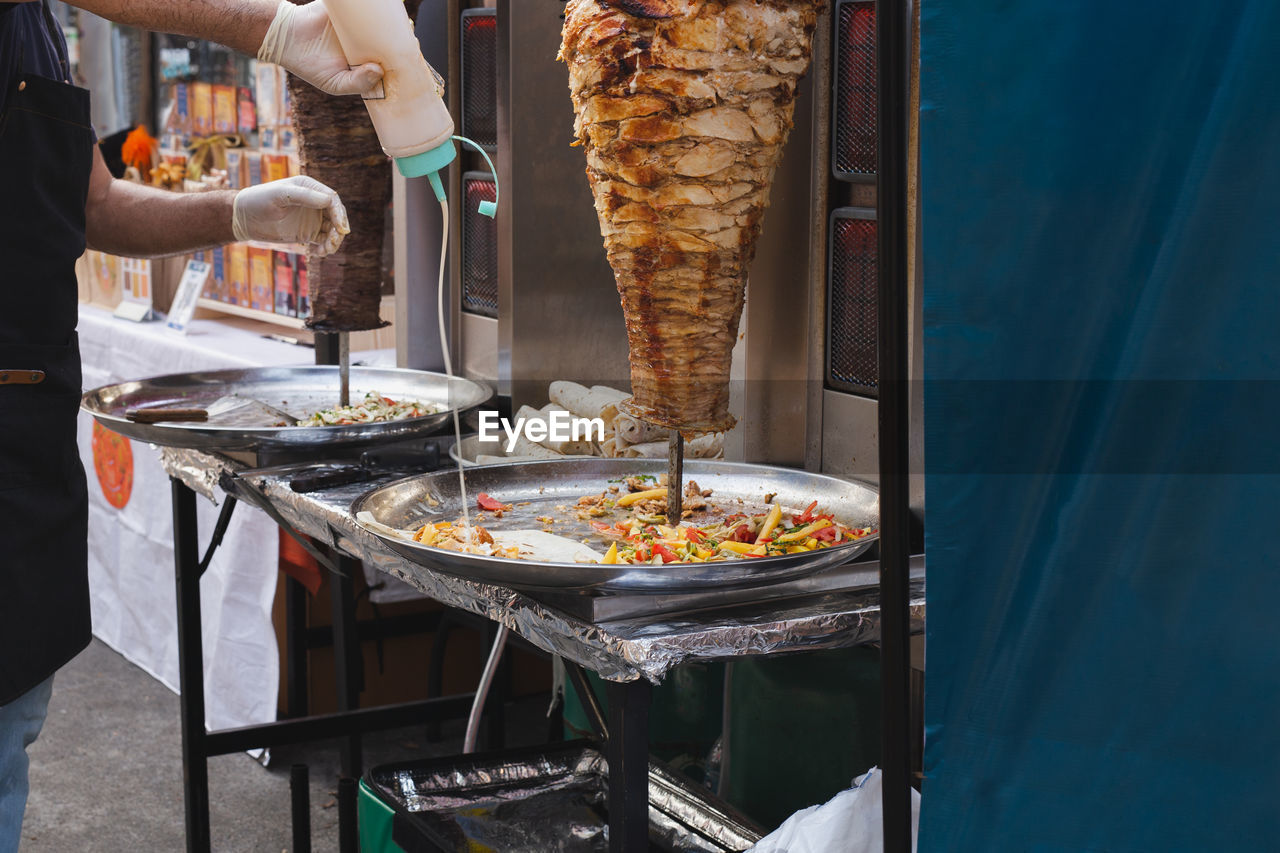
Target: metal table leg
[496,701]
[295,609]
[195,769]
[627,751]
[347,660]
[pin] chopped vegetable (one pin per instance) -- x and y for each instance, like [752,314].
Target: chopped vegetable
[375,408]
[647,495]
[491,504]
[644,539]
[770,521]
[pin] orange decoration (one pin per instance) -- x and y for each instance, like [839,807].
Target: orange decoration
[139,149]
[113,462]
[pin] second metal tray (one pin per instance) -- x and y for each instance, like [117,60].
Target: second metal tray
[297,390]
[538,490]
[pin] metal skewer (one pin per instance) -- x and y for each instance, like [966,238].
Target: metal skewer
[344,369]
[675,475]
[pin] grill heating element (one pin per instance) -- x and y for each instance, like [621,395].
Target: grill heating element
[852,315]
[853,155]
[479,247]
[479,76]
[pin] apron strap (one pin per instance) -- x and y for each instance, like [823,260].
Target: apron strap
[59,41]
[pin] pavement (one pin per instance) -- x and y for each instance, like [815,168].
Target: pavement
[106,772]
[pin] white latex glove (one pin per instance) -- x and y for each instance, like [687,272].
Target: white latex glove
[294,210]
[302,40]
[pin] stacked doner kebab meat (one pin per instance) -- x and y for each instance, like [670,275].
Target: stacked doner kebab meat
[683,108]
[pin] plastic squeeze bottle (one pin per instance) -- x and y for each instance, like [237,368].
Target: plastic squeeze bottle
[411,120]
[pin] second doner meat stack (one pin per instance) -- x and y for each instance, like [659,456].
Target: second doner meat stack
[683,107]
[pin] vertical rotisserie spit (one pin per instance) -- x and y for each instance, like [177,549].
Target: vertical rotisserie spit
[337,145]
[683,108]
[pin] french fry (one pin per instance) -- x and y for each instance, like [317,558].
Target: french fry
[649,494]
[770,522]
[805,532]
[736,547]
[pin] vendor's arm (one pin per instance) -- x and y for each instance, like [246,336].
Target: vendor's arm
[125,218]
[297,37]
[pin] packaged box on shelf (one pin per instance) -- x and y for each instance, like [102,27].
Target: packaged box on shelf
[102,272]
[260,278]
[180,117]
[201,109]
[284,99]
[218,276]
[203,257]
[135,279]
[246,112]
[275,167]
[267,93]
[252,168]
[237,291]
[286,281]
[235,168]
[286,139]
[224,109]
[304,290]
[267,137]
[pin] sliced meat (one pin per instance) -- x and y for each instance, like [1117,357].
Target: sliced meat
[683,108]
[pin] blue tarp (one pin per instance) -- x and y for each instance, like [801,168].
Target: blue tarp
[1099,187]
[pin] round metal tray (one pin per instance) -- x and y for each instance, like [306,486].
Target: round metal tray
[552,488]
[297,390]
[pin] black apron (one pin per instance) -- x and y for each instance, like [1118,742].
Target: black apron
[46,148]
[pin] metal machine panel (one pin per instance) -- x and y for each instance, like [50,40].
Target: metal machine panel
[417,228]
[560,317]
[852,302]
[853,156]
[479,248]
[850,437]
[479,46]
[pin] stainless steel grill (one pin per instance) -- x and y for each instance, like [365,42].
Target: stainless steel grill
[852,313]
[479,247]
[854,153]
[479,77]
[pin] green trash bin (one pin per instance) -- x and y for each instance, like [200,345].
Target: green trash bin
[375,818]
[800,727]
[685,716]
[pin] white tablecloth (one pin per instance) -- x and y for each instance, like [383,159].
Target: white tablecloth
[131,549]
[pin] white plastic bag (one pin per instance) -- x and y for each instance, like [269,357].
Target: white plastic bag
[850,822]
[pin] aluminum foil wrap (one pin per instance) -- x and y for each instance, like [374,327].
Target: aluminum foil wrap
[624,649]
[198,471]
[551,800]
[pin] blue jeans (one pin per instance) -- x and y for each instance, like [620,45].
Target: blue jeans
[20,722]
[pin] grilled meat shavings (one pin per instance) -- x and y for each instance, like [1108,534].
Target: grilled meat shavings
[683,108]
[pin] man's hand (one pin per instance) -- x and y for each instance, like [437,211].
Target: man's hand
[294,210]
[302,39]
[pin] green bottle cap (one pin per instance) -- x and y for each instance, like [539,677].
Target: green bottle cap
[417,165]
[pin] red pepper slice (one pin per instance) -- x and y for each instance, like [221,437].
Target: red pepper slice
[665,553]
[742,534]
[695,535]
[642,555]
[806,516]
[487,502]
[827,534]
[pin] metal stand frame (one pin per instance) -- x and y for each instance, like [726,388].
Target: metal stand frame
[198,744]
[893,53]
